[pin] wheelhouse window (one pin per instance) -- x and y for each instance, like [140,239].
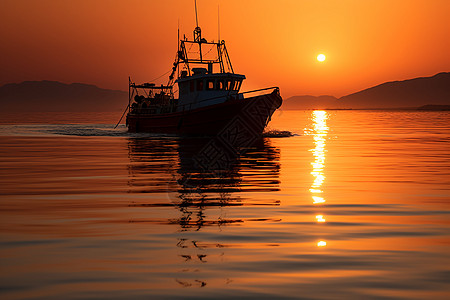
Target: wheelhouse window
[238,84]
[192,87]
[230,84]
[200,85]
[210,84]
[220,85]
[184,88]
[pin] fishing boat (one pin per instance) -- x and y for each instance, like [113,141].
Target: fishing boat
[209,99]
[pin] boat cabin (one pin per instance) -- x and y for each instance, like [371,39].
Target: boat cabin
[205,88]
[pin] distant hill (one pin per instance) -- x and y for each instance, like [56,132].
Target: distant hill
[412,93]
[40,96]
[310,102]
[407,93]
[434,107]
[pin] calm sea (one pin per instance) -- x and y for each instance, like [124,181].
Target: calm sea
[356,205]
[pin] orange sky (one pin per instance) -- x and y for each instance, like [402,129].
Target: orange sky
[272,42]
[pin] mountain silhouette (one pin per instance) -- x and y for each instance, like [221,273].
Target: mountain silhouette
[411,93]
[310,102]
[407,93]
[45,96]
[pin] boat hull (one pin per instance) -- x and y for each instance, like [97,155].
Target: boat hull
[252,113]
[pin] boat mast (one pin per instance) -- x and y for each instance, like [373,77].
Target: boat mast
[223,59]
[218,23]
[177,60]
[198,33]
[175,64]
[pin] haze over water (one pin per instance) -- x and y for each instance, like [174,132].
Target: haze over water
[355,206]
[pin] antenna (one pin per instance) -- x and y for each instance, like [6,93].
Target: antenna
[197,30]
[218,22]
[196,18]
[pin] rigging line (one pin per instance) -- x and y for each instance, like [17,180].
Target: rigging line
[161,75]
[210,49]
[126,109]
[189,50]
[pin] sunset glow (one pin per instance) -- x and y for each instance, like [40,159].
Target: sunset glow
[86,41]
[201,149]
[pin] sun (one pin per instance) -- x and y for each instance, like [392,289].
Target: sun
[321,57]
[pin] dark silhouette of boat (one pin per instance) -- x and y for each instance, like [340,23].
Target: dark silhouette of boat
[209,98]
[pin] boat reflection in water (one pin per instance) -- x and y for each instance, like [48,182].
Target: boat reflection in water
[198,173]
[205,180]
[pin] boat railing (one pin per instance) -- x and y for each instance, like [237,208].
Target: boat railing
[154,109]
[274,89]
[186,107]
[229,96]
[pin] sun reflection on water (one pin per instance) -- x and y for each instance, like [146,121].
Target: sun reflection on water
[320,219]
[319,133]
[321,244]
[317,199]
